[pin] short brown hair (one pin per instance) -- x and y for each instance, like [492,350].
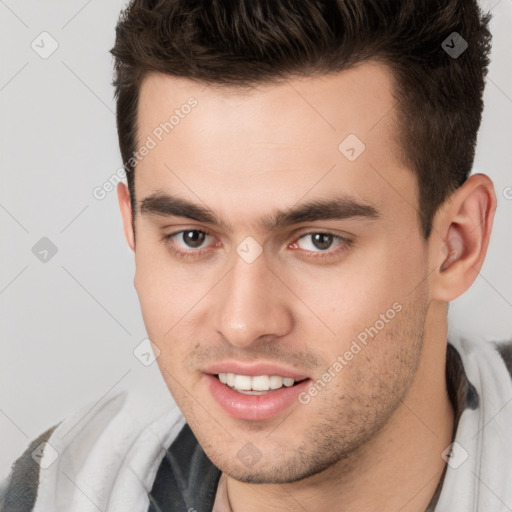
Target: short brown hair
[243,43]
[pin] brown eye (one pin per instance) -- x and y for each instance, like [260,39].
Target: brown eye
[188,242]
[322,240]
[318,241]
[193,238]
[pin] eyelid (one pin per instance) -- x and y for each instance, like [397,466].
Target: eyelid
[344,244]
[181,231]
[185,254]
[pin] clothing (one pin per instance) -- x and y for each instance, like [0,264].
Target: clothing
[115,459]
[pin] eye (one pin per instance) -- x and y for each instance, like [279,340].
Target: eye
[320,242]
[188,242]
[196,243]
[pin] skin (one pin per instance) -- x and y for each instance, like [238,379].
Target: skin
[372,438]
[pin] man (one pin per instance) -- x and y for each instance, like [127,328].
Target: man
[301,213]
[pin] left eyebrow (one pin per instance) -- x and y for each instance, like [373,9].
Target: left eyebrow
[337,207]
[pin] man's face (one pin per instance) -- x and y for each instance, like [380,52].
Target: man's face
[295,293]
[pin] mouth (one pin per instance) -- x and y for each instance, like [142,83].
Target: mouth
[256,385]
[255,397]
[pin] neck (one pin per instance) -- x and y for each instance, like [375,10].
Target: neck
[398,469]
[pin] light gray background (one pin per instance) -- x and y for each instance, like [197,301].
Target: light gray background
[69,326]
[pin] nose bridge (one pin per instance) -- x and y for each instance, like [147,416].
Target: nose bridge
[252,303]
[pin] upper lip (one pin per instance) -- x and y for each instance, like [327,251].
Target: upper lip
[253,369]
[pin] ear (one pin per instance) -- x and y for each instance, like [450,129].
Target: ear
[125,205]
[464,224]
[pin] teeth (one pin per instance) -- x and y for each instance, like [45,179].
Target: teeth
[257,383]
[275,382]
[260,383]
[242,382]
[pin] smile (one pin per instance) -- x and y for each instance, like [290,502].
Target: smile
[255,384]
[256,398]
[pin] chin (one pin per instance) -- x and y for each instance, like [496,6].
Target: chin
[280,471]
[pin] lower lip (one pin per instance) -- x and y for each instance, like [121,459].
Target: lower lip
[254,407]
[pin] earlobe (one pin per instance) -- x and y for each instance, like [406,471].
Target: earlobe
[465,226]
[123,196]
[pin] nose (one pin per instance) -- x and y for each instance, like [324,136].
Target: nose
[253,303]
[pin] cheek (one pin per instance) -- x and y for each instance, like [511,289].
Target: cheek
[164,303]
[170,297]
[368,284]
[157,288]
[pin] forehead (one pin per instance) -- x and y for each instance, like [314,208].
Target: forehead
[274,142]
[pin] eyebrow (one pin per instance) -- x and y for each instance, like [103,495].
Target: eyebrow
[338,207]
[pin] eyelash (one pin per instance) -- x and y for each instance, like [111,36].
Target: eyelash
[345,244]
